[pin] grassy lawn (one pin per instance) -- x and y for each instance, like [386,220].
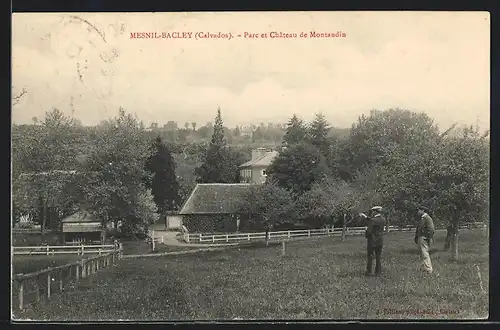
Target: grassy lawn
[142,247]
[320,278]
[27,264]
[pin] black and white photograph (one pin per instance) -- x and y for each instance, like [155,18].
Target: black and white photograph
[239,166]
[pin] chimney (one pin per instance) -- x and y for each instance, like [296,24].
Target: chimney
[258,153]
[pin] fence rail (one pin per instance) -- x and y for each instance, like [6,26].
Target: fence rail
[34,287]
[63,249]
[284,234]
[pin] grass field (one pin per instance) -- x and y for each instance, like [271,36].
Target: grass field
[142,247]
[319,278]
[27,264]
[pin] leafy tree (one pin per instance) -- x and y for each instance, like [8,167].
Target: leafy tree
[378,138]
[296,131]
[164,185]
[216,165]
[43,148]
[267,205]
[193,125]
[463,176]
[298,167]
[115,175]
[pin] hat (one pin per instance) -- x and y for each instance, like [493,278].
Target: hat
[377,208]
[423,208]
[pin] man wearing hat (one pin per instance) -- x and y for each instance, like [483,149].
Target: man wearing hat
[374,238]
[424,237]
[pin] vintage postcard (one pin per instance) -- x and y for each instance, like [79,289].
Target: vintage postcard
[225,166]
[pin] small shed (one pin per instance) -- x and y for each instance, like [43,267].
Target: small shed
[212,207]
[81,227]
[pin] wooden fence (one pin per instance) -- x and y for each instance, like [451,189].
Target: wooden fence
[63,249]
[285,234]
[29,289]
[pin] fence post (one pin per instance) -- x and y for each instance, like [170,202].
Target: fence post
[37,291]
[82,250]
[21,294]
[48,284]
[162,240]
[47,250]
[213,238]
[60,280]
[227,238]
[153,239]
[283,252]
[187,237]
[97,264]
[288,234]
[248,236]
[308,233]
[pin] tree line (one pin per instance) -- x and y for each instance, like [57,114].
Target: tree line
[395,158]
[321,176]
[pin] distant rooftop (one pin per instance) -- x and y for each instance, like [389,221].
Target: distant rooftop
[264,160]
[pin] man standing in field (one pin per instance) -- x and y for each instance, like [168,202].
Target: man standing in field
[424,237]
[374,239]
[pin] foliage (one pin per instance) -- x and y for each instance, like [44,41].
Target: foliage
[297,167]
[164,185]
[217,161]
[268,204]
[113,184]
[318,133]
[296,131]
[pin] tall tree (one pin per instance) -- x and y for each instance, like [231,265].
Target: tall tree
[113,184]
[193,125]
[164,185]
[216,165]
[296,131]
[318,132]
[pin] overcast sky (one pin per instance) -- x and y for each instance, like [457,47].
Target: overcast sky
[437,63]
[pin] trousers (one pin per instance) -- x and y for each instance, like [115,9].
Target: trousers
[424,244]
[377,251]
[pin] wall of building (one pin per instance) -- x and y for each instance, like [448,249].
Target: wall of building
[217,223]
[258,174]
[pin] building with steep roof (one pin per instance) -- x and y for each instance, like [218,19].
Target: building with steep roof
[254,171]
[213,207]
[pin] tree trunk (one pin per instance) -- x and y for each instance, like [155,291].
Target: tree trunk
[103,228]
[44,219]
[387,224]
[344,227]
[454,243]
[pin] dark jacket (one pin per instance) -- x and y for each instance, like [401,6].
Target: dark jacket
[375,231]
[425,227]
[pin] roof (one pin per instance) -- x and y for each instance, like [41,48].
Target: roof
[80,216]
[265,160]
[215,198]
